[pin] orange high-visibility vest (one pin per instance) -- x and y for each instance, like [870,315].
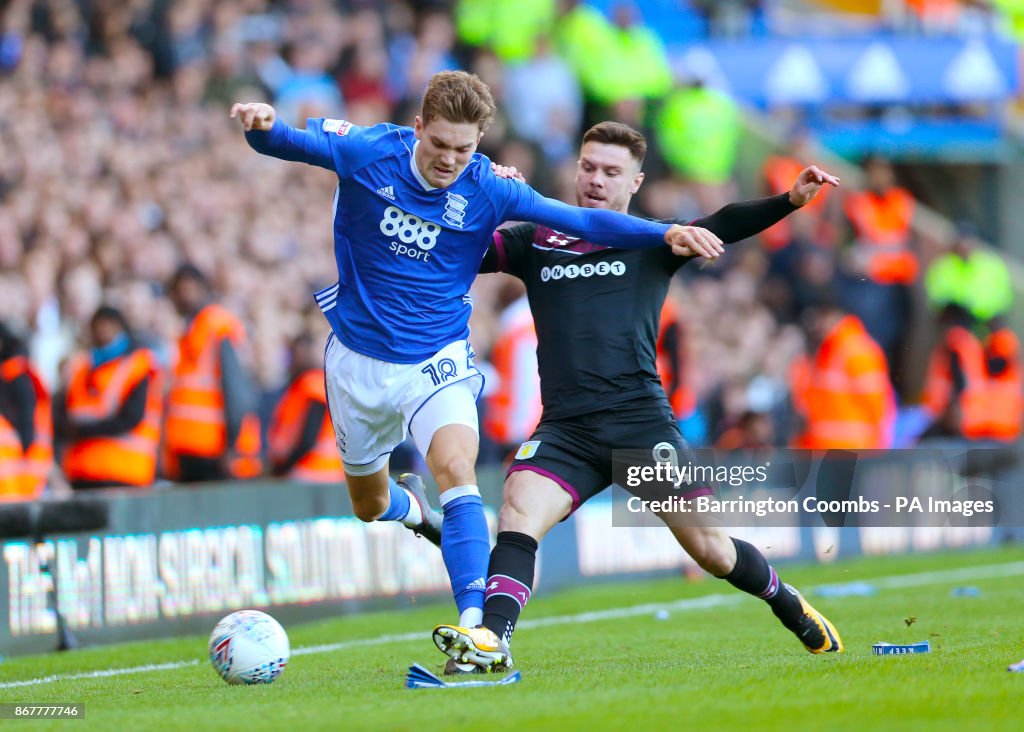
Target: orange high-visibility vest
[844,393]
[37,458]
[882,224]
[1005,399]
[935,9]
[514,408]
[780,172]
[322,464]
[195,404]
[99,393]
[973,401]
[678,387]
[10,461]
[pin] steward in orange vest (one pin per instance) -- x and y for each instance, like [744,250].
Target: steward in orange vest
[26,426]
[973,388]
[936,14]
[110,415]
[10,458]
[514,408]
[956,384]
[301,435]
[881,217]
[1005,383]
[211,431]
[843,392]
[671,361]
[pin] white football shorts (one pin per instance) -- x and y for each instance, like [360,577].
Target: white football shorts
[375,404]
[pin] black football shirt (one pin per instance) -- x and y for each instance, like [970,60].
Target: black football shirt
[597,309]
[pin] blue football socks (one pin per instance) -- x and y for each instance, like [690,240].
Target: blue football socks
[398,509]
[466,548]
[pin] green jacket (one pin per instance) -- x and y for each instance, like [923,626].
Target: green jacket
[698,132]
[981,283]
[509,27]
[1013,15]
[613,64]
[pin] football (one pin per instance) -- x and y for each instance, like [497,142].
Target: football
[248,647]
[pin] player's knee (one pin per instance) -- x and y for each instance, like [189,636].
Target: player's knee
[369,508]
[531,510]
[513,518]
[455,470]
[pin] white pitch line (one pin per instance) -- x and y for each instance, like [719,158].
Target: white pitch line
[694,603]
[100,674]
[691,603]
[987,571]
[342,645]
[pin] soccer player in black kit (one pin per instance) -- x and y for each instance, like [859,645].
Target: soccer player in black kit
[596,311]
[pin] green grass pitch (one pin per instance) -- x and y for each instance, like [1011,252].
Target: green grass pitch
[720,661]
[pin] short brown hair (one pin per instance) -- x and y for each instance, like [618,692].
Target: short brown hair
[616,133]
[458,97]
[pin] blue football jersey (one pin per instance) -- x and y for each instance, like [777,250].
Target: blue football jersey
[406,252]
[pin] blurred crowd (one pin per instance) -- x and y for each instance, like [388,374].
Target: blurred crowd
[122,181]
[954,16]
[928,17]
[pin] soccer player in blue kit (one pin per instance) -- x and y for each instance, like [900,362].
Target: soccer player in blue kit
[415,211]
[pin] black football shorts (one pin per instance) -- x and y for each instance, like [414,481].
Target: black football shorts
[576,452]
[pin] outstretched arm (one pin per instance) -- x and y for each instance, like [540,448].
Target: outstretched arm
[270,136]
[609,227]
[594,225]
[739,221]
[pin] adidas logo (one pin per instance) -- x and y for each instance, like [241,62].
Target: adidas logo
[477,584]
[388,192]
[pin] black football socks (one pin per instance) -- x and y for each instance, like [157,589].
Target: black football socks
[755,576]
[509,581]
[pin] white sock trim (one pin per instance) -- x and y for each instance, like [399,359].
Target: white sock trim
[415,516]
[471,617]
[458,492]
